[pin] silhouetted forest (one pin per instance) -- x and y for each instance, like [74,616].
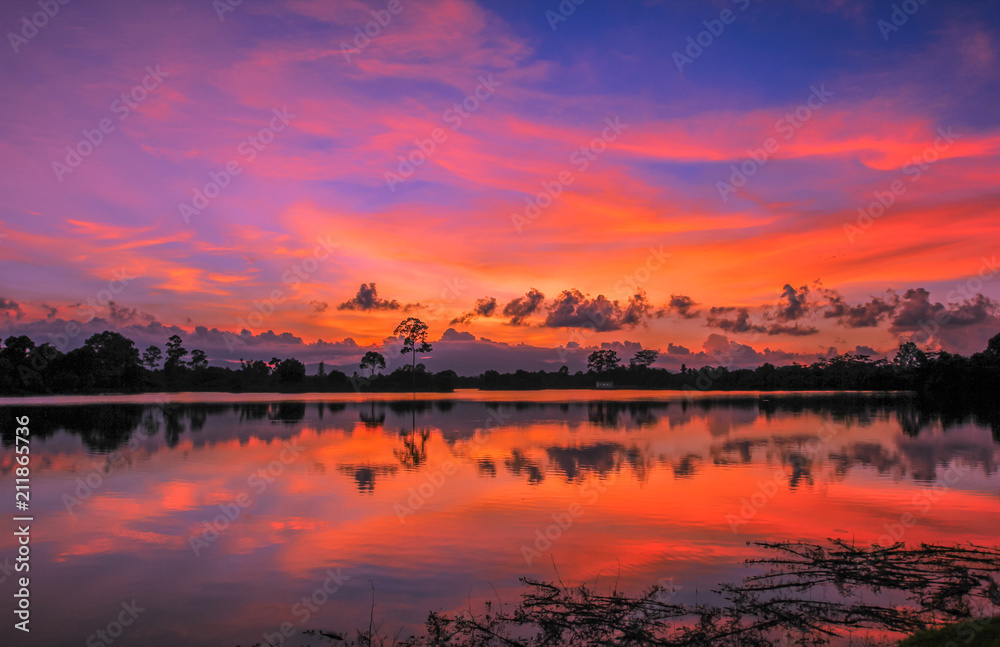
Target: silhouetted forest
[110,363]
[110,427]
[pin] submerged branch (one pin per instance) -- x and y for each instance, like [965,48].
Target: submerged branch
[939,582]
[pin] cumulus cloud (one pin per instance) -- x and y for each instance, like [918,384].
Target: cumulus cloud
[863,315]
[795,304]
[573,309]
[121,315]
[867,351]
[523,307]
[318,307]
[367,299]
[453,335]
[796,330]
[485,307]
[916,312]
[677,350]
[739,324]
[682,305]
[9,308]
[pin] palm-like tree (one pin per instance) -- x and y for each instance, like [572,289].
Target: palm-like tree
[414,333]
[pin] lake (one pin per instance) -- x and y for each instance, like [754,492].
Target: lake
[218,514]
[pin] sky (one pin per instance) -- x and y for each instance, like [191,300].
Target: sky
[723,181]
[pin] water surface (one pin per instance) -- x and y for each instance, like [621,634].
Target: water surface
[445,501]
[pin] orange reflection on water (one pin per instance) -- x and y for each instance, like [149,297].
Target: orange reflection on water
[438,503]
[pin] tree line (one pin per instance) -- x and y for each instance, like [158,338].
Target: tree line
[109,362]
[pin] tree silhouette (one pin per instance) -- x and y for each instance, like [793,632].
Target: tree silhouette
[909,355]
[198,359]
[414,333]
[373,360]
[257,369]
[116,359]
[151,357]
[175,355]
[644,358]
[291,371]
[109,362]
[603,361]
[993,347]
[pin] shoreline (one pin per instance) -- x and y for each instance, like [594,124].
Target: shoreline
[511,395]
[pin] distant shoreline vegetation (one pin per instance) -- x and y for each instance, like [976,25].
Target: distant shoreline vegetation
[109,362]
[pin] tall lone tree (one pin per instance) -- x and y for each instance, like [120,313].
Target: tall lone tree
[373,360]
[414,334]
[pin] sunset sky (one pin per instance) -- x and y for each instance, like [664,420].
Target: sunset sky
[683,176]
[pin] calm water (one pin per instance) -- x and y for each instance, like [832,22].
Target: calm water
[440,503]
